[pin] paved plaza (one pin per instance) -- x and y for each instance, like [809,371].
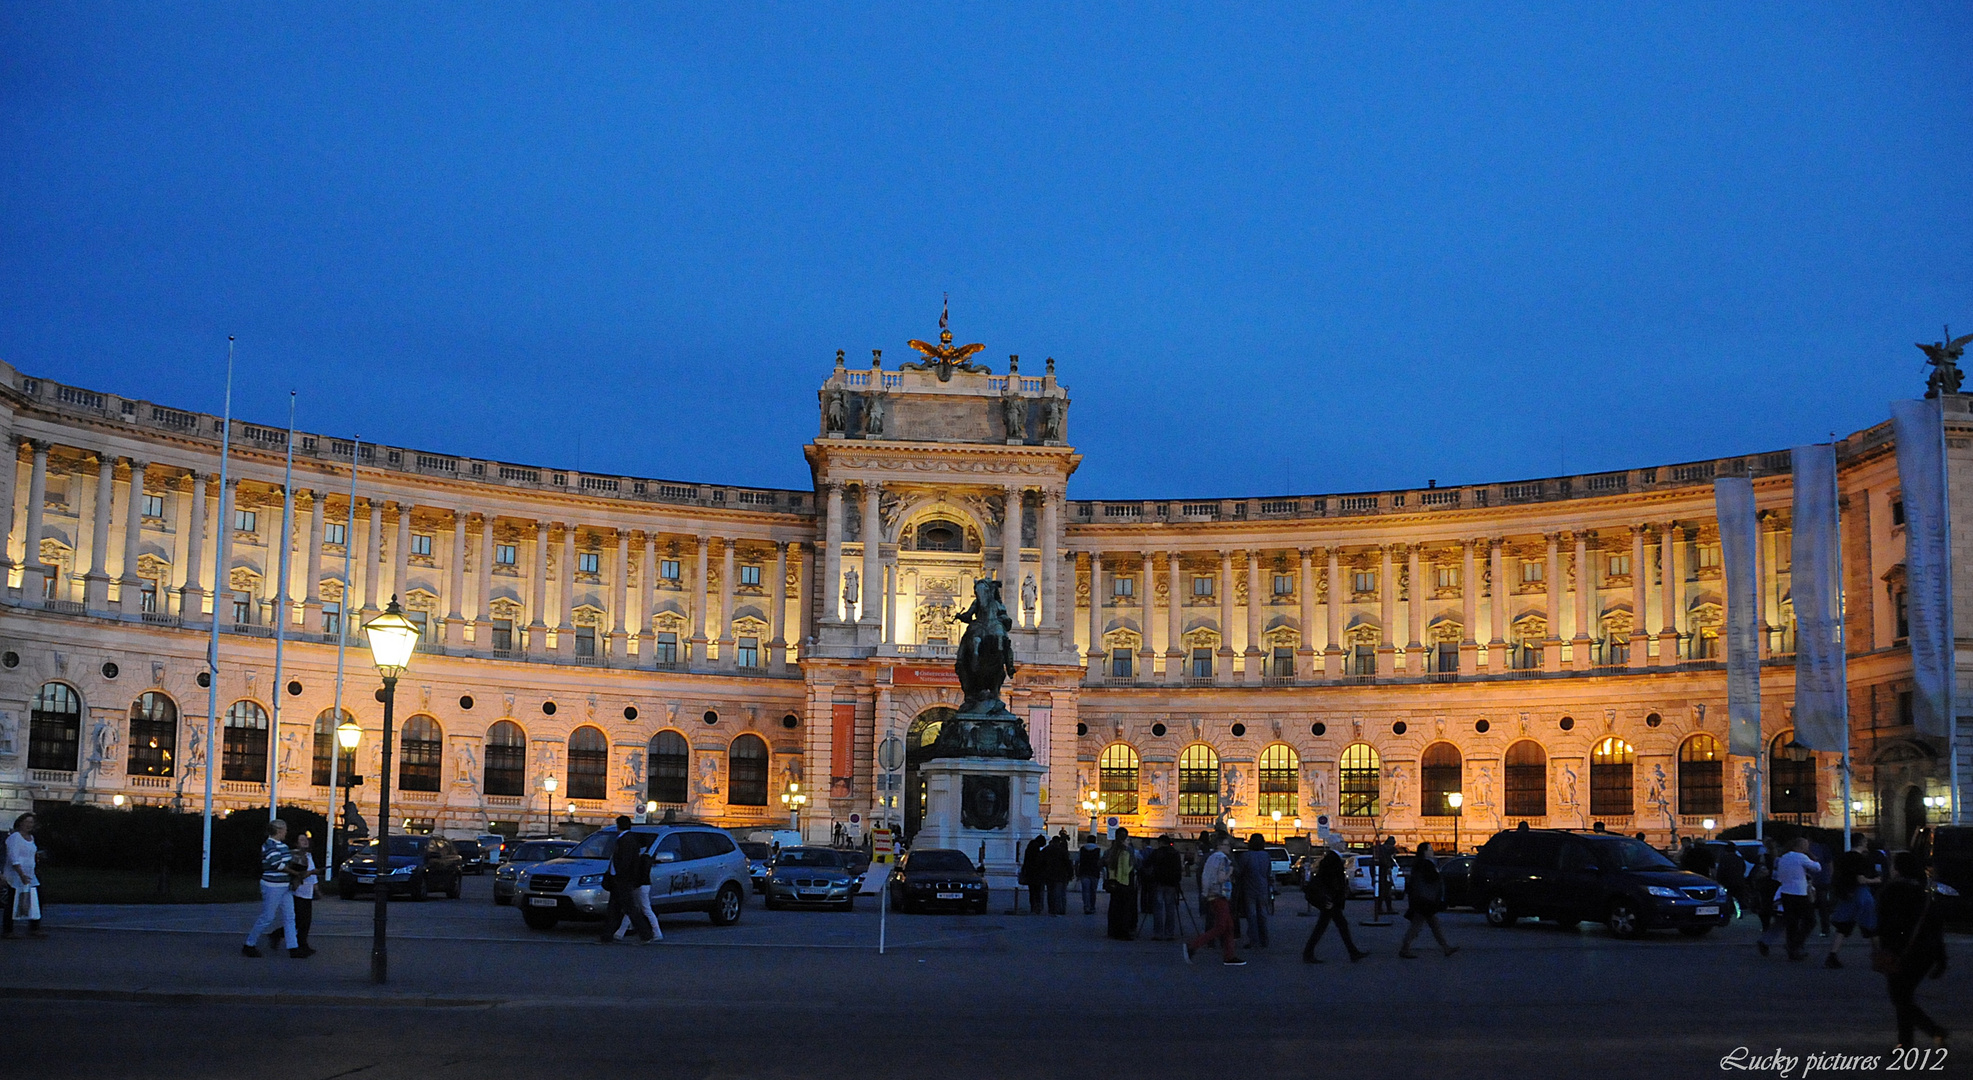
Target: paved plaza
[163,991]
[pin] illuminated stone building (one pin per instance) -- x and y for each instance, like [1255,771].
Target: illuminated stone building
[1549,648]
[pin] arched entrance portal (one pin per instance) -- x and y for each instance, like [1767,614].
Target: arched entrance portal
[924,731]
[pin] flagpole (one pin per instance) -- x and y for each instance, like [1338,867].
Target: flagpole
[212,649]
[282,614]
[1842,634]
[1952,641]
[342,646]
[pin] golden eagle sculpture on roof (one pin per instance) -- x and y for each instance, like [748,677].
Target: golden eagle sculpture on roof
[945,358]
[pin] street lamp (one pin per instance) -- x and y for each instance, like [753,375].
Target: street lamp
[793,800]
[1709,825]
[118,800]
[650,810]
[392,638]
[348,735]
[1276,814]
[1455,799]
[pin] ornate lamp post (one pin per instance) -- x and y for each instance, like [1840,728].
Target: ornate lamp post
[348,736]
[1276,815]
[1455,799]
[793,800]
[392,638]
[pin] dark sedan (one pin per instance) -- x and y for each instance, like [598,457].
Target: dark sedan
[519,859]
[810,875]
[933,878]
[416,866]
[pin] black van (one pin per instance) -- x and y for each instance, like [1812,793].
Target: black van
[1567,877]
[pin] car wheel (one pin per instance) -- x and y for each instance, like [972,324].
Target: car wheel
[540,918]
[347,890]
[727,906]
[1695,931]
[503,901]
[1498,913]
[458,886]
[848,905]
[419,888]
[980,908]
[1623,919]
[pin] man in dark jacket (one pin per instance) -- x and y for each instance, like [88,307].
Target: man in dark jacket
[1057,870]
[1165,870]
[626,866]
[1089,871]
[1253,872]
[1030,874]
[1910,928]
[1327,892]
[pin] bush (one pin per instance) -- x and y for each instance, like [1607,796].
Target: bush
[143,837]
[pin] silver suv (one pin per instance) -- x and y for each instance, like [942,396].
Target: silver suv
[694,867]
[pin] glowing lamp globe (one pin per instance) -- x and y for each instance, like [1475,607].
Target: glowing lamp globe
[392,639]
[348,735]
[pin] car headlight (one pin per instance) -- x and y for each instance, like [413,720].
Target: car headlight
[590,879]
[1660,890]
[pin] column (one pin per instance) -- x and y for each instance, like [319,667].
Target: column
[891,585]
[400,578]
[1499,604]
[1175,658]
[96,584]
[1551,653]
[1387,587]
[1671,597]
[726,606]
[537,622]
[1010,552]
[455,583]
[1252,660]
[133,535]
[8,498]
[1147,652]
[1414,612]
[1585,589]
[1095,654]
[311,589]
[1223,667]
[873,558]
[483,607]
[1305,656]
[619,596]
[700,600]
[832,552]
[1469,606]
[1640,598]
[373,571]
[37,504]
[565,606]
[777,609]
[647,585]
[191,595]
[1050,587]
[1332,604]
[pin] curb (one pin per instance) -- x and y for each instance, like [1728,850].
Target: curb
[200,997]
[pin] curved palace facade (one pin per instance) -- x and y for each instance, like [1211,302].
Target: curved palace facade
[1547,648]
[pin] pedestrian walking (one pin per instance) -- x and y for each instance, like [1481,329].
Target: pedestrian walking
[645,862]
[1424,893]
[1911,945]
[1057,870]
[1821,886]
[309,876]
[1851,883]
[1120,881]
[1761,880]
[1256,886]
[1089,871]
[1795,897]
[1328,889]
[1164,871]
[23,877]
[277,892]
[1031,870]
[1216,886]
[1730,870]
[1385,862]
[626,860]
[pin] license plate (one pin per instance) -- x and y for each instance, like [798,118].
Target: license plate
[1711,909]
[542,901]
[952,896]
[371,880]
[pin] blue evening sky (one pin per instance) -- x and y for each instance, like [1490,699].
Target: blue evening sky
[1292,247]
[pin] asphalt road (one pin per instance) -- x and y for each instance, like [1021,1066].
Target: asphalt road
[163,992]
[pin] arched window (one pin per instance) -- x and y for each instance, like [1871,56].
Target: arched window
[1361,774]
[153,735]
[1198,781]
[1609,778]
[670,767]
[54,728]
[941,536]
[326,723]
[243,754]
[589,763]
[1440,773]
[1281,780]
[746,763]
[506,759]
[1701,769]
[1526,778]
[1791,776]
[1117,778]
[423,752]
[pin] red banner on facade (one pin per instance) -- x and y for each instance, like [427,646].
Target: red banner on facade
[924,676]
[842,749]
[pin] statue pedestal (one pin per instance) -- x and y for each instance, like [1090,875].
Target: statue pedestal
[964,808]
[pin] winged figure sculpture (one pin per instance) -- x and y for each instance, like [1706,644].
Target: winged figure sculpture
[944,357]
[1944,357]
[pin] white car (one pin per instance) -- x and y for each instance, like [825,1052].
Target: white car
[1363,866]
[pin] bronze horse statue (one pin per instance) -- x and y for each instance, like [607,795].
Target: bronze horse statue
[984,727]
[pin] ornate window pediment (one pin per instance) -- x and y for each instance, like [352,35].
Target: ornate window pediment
[750,626]
[1363,634]
[1201,637]
[1283,637]
[1123,638]
[668,622]
[506,608]
[1617,625]
[1530,629]
[243,580]
[1446,631]
[587,615]
[421,600]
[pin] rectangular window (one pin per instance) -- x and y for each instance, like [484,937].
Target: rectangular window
[246,520]
[665,650]
[153,506]
[588,562]
[1448,577]
[1897,513]
[419,619]
[332,533]
[1364,581]
[1202,663]
[1120,663]
[421,544]
[1532,570]
[1284,662]
[1123,586]
[750,575]
[749,652]
[1202,585]
[1619,566]
[1284,584]
[149,599]
[1709,555]
[242,608]
[503,634]
[585,641]
[503,555]
[332,617]
[1364,660]
[668,569]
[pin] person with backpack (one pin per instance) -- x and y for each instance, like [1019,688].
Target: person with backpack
[1089,871]
[1327,890]
[1029,873]
[1057,870]
[621,880]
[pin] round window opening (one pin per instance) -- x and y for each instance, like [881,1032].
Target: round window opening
[1398,728]
[1158,730]
[1239,730]
[1318,728]
[791,721]
[711,717]
[1653,720]
[630,712]
[1567,723]
[466,701]
[13,659]
[294,688]
[110,671]
[1082,729]
[548,708]
[1482,727]
[205,679]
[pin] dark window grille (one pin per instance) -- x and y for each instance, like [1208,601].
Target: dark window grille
[589,763]
[1361,774]
[1701,776]
[153,735]
[243,754]
[1610,790]
[1198,781]
[54,730]
[1440,774]
[747,768]
[1525,770]
[671,761]
[506,759]
[422,752]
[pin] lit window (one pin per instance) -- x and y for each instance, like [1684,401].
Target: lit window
[588,562]
[1448,577]
[1619,566]
[1198,781]
[503,555]
[332,533]
[1284,584]
[246,520]
[421,544]
[1123,586]
[1532,570]
[1202,585]
[1364,581]
[750,575]
[154,506]
[668,569]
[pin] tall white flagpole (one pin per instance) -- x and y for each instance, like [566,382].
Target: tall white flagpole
[342,646]
[1952,641]
[1842,633]
[283,612]
[212,650]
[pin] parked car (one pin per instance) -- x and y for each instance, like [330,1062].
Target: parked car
[810,875]
[759,854]
[1952,868]
[1363,879]
[495,846]
[1282,866]
[931,878]
[416,866]
[473,854]
[1457,872]
[1568,877]
[523,856]
[695,867]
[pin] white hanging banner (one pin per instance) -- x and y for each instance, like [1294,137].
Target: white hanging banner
[1917,426]
[1815,580]
[1733,499]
